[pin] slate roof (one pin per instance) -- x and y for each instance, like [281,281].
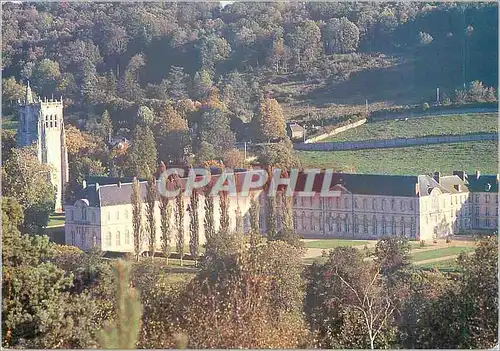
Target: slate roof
[109,193]
[483,183]
[449,183]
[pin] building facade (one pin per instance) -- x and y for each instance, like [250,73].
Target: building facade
[367,207]
[42,123]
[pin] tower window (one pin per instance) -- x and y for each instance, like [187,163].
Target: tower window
[55,124]
[50,124]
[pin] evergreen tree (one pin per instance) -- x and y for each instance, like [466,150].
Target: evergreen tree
[123,333]
[254,221]
[179,223]
[142,157]
[151,195]
[166,230]
[108,126]
[177,83]
[194,226]
[136,200]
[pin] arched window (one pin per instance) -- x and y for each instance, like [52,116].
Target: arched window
[374,204]
[403,226]
[55,124]
[337,202]
[347,224]
[127,237]
[393,225]
[355,224]
[383,204]
[374,224]
[384,226]
[365,204]
[107,240]
[365,224]
[118,238]
[303,220]
[73,239]
[330,223]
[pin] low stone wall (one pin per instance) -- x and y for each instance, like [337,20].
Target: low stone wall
[335,131]
[391,143]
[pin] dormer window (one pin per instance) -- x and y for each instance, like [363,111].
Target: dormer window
[487,187]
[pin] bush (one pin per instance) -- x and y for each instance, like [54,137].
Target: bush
[448,240]
[425,106]
[422,243]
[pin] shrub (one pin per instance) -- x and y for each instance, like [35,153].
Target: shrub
[422,243]
[425,106]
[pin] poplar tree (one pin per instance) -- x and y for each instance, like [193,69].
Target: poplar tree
[194,226]
[136,217]
[123,333]
[224,214]
[254,221]
[150,214]
[179,222]
[272,231]
[166,230]
[209,220]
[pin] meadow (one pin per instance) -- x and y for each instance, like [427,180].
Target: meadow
[469,156]
[419,127]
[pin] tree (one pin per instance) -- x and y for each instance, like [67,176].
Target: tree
[237,96]
[212,50]
[165,227]
[142,157]
[279,155]
[108,126]
[172,134]
[179,225]
[341,36]
[145,116]
[269,121]
[393,256]
[202,84]
[216,132]
[177,83]
[45,76]
[305,41]
[124,332]
[151,195]
[254,221]
[136,200]
[27,180]
[347,303]
[194,226]
[209,221]
[287,232]
[271,225]
[80,167]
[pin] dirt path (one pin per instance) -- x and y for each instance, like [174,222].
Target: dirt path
[436,259]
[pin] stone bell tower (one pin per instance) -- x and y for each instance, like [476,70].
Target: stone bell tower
[41,123]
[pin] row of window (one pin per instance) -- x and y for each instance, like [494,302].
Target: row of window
[365,204]
[118,237]
[340,224]
[487,198]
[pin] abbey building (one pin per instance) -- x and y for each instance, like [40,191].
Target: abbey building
[41,123]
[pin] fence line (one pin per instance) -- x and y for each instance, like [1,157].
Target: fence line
[336,131]
[391,143]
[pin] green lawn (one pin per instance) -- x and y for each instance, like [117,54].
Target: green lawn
[56,220]
[419,127]
[469,156]
[333,243]
[427,255]
[441,264]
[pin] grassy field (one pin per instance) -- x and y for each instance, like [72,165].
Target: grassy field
[441,264]
[419,127]
[333,243]
[448,251]
[470,156]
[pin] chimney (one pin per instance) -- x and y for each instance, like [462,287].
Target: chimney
[478,174]
[460,174]
[119,184]
[96,186]
[436,176]
[84,184]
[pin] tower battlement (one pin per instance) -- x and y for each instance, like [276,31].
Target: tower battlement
[41,122]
